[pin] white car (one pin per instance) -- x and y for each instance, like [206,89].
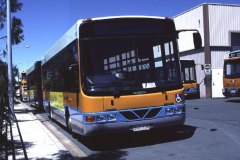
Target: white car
[17,94]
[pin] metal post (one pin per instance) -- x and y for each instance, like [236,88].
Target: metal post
[9,51]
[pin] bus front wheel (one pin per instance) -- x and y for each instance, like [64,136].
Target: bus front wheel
[50,114]
[68,121]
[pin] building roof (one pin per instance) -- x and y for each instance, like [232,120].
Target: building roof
[200,5]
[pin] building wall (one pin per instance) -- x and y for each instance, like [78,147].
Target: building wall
[218,58]
[223,19]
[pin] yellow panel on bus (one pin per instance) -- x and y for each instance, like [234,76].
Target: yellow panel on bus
[189,85]
[100,104]
[70,99]
[134,101]
[31,94]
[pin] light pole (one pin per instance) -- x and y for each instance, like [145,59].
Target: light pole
[9,51]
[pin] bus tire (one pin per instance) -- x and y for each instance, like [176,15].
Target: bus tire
[50,114]
[68,120]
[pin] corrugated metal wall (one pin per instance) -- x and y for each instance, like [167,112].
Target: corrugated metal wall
[218,58]
[223,19]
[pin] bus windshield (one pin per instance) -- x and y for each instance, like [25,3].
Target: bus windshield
[131,56]
[188,71]
[129,63]
[232,69]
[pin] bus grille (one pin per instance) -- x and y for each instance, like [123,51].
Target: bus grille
[139,114]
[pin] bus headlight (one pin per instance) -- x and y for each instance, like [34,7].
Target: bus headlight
[174,111]
[111,117]
[194,89]
[169,111]
[178,110]
[101,118]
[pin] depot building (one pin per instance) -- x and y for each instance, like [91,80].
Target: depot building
[219,26]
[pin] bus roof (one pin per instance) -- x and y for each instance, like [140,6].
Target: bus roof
[32,68]
[73,33]
[234,54]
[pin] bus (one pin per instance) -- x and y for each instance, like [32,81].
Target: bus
[34,79]
[23,87]
[231,75]
[189,79]
[115,74]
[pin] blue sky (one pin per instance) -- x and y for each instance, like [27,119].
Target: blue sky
[45,21]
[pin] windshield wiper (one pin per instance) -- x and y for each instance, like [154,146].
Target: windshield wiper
[161,86]
[116,93]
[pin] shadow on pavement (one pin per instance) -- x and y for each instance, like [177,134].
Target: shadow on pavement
[233,100]
[11,148]
[60,155]
[121,141]
[107,155]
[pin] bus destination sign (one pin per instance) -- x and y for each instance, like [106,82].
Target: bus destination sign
[234,54]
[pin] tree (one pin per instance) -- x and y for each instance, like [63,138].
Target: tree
[3,85]
[17,25]
[17,37]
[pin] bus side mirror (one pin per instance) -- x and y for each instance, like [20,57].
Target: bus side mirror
[197,40]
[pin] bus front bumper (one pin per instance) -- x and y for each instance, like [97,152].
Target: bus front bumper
[231,92]
[191,92]
[133,126]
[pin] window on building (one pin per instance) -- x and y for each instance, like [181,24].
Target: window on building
[235,41]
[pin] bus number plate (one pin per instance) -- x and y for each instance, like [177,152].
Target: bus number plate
[233,91]
[141,128]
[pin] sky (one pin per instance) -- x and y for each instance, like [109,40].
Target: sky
[45,21]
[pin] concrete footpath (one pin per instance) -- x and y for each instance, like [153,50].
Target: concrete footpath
[31,139]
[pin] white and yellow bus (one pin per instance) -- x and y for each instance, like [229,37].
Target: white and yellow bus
[231,75]
[115,74]
[189,79]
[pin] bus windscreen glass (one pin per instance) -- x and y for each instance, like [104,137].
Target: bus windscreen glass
[129,56]
[129,64]
[232,70]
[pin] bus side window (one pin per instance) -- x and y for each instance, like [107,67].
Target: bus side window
[72,67]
